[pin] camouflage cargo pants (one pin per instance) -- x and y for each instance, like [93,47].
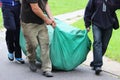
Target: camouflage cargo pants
[35,35]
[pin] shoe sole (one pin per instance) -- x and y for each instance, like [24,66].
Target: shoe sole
[46,75]
[10,59]
[98,72]
[20,62]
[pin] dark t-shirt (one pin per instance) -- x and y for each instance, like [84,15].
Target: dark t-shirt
[27,15]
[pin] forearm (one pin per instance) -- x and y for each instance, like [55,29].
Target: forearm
[38,11]
[89,10]
[50,15]
[48,11]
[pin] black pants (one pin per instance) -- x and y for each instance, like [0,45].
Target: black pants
[11,18]
[12,41]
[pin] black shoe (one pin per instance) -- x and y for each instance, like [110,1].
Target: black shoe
[92,66]
[48,74]
[98,70]
[20,60]
[32,66]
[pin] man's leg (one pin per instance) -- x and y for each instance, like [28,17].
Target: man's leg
[44,45]
[10,44]
[30,34]
[18,53]
[97,49]
[8,19]
[105,39]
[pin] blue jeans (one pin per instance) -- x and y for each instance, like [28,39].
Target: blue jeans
[101,40]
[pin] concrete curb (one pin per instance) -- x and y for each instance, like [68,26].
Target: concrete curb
[71,17]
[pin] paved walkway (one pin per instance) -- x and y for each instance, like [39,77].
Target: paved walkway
[71,17]
[13,71]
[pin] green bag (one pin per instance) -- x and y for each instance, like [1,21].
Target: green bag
[69,46]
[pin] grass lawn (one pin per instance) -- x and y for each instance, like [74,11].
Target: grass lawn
[114,46]
[60,7]
[64,6]
[113,50]
[1,21]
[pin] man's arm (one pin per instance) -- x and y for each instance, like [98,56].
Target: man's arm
[50,15]
[37,10]
[88,14]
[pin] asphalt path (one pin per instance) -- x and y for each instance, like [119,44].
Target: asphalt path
[15,71]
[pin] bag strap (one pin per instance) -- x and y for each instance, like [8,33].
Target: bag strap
[105,3]
[43,7]
[97,9]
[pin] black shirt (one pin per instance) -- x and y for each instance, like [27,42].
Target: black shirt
[27,15]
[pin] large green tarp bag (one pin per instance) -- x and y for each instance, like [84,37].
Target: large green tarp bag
[69,46]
